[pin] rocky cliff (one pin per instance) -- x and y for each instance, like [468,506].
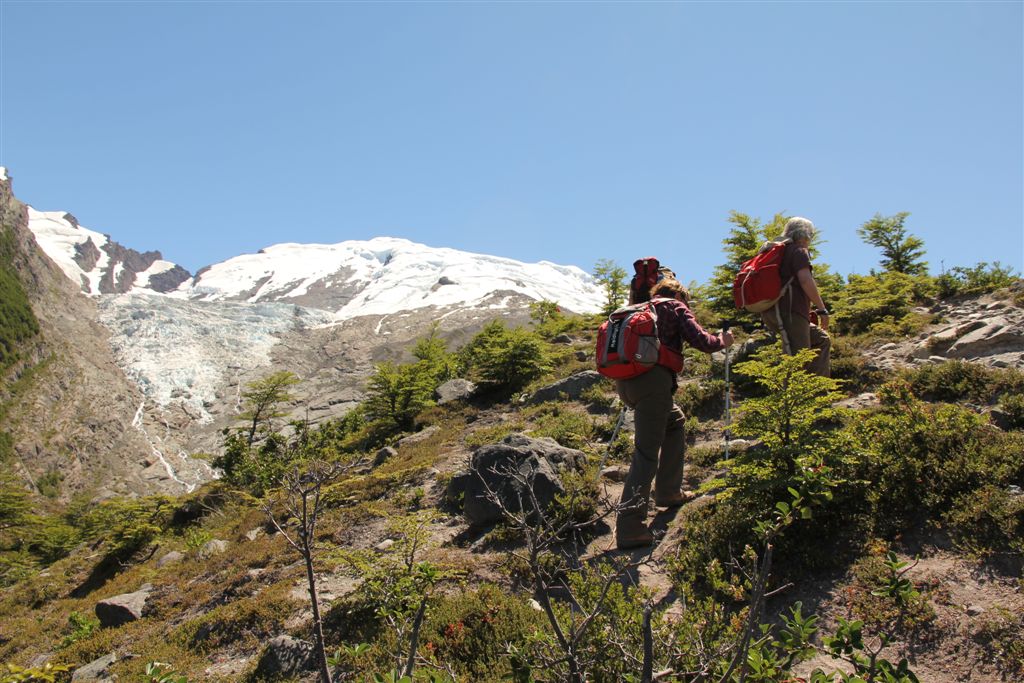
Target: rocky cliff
[68,407]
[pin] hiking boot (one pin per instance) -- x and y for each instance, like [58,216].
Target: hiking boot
[638,539]
[674,501]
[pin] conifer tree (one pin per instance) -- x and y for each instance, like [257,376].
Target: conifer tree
[901,252]
[612,279]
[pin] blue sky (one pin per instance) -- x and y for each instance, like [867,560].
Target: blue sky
[568,132]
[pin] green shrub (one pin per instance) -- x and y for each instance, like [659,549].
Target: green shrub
[867,301]
[958,380]
[79,626]
[1013,406]
[472,630]
[981,278]
[988,518]
[505,360]
[916,460]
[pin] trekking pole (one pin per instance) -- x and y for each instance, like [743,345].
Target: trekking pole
[728,401]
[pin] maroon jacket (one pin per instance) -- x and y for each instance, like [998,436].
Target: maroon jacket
[676,325]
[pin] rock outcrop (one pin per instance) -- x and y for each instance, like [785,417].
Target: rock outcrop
[512,473]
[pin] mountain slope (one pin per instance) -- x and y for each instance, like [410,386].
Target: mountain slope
[67,406]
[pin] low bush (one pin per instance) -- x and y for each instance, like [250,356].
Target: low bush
[958,380]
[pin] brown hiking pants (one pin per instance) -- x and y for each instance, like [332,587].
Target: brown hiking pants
[659,443]
[802,334]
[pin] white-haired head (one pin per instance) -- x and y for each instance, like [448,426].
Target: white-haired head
[798,228]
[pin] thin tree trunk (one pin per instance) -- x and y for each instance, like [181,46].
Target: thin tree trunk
[318,627]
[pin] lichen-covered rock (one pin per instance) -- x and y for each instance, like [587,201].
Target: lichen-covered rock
[502,469]
[571,387]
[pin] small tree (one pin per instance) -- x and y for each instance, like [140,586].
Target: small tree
[262,399]
[612,279]
[901,252]
[398,393]
[506,359]
[302,491]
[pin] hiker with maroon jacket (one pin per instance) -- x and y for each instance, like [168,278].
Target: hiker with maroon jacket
[794,308]
[659,440]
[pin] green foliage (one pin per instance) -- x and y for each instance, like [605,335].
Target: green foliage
[703,398]
[15,504]
[249,620]
[851,642]
[262,398]
[871,300]
[472,631]
[958,380]
[901,252]
[613,280]
[917,461]
[48,673]
[981,278]
[788,417]
[79,626]
[1012,406]
[159,672]
[398,393]
[18,324]
[505,359]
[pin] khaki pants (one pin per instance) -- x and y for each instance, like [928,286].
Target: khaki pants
[802,334]
[659,443]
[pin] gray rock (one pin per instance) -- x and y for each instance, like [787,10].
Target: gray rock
[562,339]
[285,656]
[383,455]
[572,387]
[582,355]
[122,609]
[454,390]
[499,467]
[211,548]
[253,534]
[993,338]
[419,436]
[170,558]
[975,610]
[385,544]
[96,670]
[616,473]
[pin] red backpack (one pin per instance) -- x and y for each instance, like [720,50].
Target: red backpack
[628,344]
[646,276]
[758,285]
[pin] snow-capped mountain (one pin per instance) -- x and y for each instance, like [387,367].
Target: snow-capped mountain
[385,275]
[380,276]
[98,264]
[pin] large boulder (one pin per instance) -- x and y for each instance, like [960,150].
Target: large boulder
[503,469]
[122,609]
[572,387]
[996,336]
[285,656]
[457,389]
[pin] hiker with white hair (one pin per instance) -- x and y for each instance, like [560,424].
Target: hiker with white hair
[800,329]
